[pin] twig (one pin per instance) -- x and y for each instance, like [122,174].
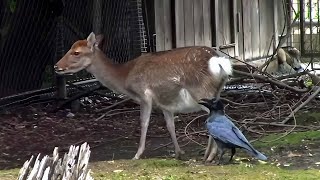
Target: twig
[287,133]
[113,105]
[279,125]
[310,98]
[240,104]
[184,135]
[185,129]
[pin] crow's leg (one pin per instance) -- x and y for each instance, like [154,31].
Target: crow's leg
[233,151]
[221,152]
[220,159]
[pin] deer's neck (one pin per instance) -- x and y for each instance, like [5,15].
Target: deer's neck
[111,75]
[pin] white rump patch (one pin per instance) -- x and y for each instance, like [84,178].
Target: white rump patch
[215,62]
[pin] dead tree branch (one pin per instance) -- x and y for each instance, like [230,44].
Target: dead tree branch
[269,80]
[310,98]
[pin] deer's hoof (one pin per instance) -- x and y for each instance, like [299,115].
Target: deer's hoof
[135,157]
[179,154]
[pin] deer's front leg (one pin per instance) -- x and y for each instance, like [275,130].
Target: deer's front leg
[145,112]
[208,149]
[211,150]
[168,116]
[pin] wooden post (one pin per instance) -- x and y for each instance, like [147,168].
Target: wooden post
[60,80]
[61,85]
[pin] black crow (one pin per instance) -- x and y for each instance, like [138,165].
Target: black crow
[225,133]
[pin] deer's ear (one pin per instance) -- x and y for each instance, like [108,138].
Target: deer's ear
[91,40]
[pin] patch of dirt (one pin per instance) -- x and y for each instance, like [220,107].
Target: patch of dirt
[34,129]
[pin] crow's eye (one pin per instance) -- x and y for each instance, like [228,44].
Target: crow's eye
[76,53]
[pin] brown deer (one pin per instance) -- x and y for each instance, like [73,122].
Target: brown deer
[173,81]
[285,62]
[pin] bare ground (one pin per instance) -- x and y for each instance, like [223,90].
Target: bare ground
[34,129]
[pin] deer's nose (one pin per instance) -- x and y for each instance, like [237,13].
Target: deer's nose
[56,68]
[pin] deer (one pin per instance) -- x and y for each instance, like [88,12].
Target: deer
[173,81]
[285,62]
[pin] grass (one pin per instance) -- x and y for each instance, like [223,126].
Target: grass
[174,170]
[171,169]
[293,138]
[9,174]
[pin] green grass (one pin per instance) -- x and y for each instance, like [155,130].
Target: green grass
[174,170]
[293,138]
[9,174]
[171,169]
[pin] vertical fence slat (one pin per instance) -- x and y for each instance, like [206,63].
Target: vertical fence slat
[159,25]
[225,30]
[198,22]
[179,16]
[207,23]
[266,27]
[255,28]
[188,21]
[247,8]
[167,24]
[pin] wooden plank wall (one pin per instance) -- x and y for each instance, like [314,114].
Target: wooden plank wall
[192,23]
[224,24]
[163,24]
[258,28]
[247,38]
[266,27]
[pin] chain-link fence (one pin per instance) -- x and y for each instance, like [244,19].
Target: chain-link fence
[34,34]
[305,34]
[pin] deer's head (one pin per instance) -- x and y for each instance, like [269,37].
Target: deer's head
[80,56]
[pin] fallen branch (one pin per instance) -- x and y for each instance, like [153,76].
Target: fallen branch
[277,83]
[310,98]
[293,75]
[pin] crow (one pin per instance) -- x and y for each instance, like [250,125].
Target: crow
[225,133]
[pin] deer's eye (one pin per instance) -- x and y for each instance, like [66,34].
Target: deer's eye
[76,53]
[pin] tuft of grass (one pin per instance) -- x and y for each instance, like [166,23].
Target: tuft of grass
[9,174]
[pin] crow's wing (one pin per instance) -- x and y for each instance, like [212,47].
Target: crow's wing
[222,128]
[252,150]
[238,133]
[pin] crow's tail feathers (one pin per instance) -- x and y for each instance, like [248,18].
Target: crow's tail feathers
[260,156]
[257,154]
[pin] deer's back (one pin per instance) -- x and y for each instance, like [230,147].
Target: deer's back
[175,78]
